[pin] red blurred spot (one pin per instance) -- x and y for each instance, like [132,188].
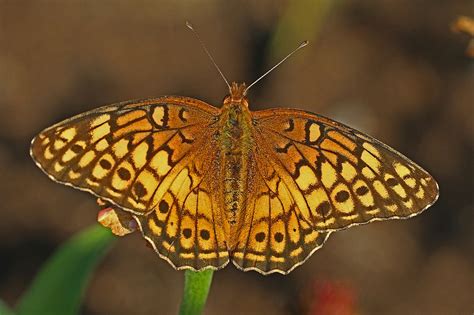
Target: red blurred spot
[331,298]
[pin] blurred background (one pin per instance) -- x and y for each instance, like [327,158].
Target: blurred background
[393,69]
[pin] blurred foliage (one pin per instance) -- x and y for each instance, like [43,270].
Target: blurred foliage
[60,284]
[301,20]
[4,309]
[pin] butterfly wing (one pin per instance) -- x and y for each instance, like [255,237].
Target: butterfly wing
[188,227]
[126,153]
[143,157]
[276,236]
[341,177]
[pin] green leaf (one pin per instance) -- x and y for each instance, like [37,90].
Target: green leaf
[60,285]
[196,289]
[4,309]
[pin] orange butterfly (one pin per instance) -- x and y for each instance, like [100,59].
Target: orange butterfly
[210,185]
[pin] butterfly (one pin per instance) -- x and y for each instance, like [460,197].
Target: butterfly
[206,185]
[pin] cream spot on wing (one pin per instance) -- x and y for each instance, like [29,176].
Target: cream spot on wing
[68,134]
[363,193]
[86,158]
[99,120]
[395,185]
[315,199]
[100,132]
[328,175]
[173,222]
[367,172]
[277,237]
[73,175]
[44,140]
[341,199]
[68,155]
[408,204]
[277,259]
[205,235]
[148,184]
[58,167]
[348,171]
[120,148]
[380,189]
[122,176]
[369,147]
[420,194]
[160,163]
[259,236]
[102,168]
[424,182]
[311,237]
[254,257]
[59,144]
[314,132]
[158,115]
[306,177]
[392,208]
[139,155]
[296,252]
[47,153]
[187,232]
[156,230]
[371,161]
[130,116]
[102,145]
[373,212]
[405,173]
[293,228]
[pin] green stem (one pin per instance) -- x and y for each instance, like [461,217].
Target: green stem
[196,289]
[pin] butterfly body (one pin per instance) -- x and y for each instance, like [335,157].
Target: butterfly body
[236,143]
[210,185]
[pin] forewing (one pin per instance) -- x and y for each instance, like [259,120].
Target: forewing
[341,177]
[127,153]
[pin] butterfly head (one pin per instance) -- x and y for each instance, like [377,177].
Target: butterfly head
[237,93]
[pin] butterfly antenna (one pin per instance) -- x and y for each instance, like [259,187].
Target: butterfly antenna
[208,53]
[303,44]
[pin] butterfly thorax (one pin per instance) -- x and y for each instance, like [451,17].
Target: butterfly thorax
[236,143]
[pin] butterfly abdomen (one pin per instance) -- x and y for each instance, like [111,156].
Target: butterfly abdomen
[235,143]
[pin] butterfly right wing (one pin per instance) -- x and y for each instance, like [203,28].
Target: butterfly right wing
[275,236]
[126,153]
[341,177]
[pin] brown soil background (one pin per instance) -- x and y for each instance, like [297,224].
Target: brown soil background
[393,69]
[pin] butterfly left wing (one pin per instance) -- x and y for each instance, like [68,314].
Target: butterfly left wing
[152,158]
[341,177]
[188,228]
[125,153]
